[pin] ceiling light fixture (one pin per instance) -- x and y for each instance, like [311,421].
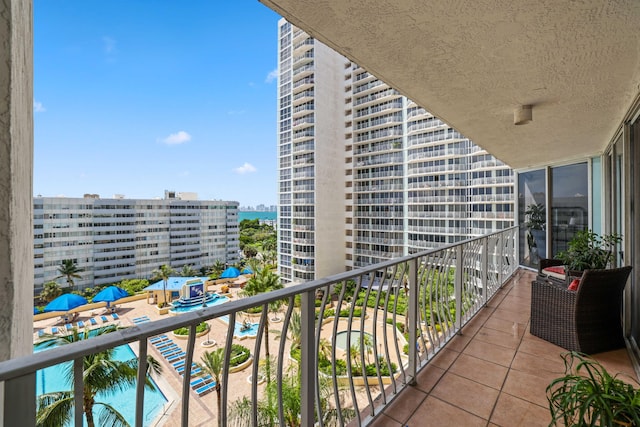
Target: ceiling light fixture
[523,115]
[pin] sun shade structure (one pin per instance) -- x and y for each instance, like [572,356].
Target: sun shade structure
[65,302]
[110,294]
[230,273]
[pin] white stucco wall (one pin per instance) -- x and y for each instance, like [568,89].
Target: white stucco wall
[16,167]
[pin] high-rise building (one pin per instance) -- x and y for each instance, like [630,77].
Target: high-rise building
[114,239]
[410,181]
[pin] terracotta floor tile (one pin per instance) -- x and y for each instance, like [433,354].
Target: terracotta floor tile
[385,421]
[403,407]
[492,353]
[427,378]
[530,387]
[512,412]
[487,373]
[436,413]
[444,358]
[504,339]
[505,325]
[514,316]
[616,361]
[459,342]
[534,364]
[540,348]
[464,393]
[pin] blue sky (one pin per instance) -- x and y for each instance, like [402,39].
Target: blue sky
[135,97]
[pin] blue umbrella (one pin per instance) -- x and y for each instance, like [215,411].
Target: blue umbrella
[36,311]
[65,302]
[247,270]
[230,273]
[110,294]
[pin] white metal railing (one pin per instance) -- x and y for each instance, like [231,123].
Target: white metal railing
[403,311]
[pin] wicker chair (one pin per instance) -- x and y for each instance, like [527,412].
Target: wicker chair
[588,320]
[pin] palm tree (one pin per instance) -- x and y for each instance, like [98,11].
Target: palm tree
[213,363]
[216,269]
[69,270]
[164,273]
[267,413]
[188,271]
[50,292]
[101,374]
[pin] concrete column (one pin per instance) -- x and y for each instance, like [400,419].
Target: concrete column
[16,172]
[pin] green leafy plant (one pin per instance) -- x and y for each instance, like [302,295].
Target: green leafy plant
[589,250]
[587,395]
[185,331]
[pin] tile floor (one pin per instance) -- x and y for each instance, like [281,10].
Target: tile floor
[494,374]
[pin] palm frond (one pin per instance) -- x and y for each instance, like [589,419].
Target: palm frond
[54,409]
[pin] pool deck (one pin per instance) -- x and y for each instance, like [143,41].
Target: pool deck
[202,409]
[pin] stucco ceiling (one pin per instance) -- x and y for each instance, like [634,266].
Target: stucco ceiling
[472,63]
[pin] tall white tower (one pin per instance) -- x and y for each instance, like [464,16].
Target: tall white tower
[366,174]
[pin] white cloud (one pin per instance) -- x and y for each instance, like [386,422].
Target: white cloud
[38,107]
[177,138]
[109,45]
[273,74]
[246,168]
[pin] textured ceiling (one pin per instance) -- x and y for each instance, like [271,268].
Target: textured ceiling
[472,63]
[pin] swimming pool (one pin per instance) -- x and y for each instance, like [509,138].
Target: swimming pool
[53,379]
[237,332]
[185,309]
[341,339]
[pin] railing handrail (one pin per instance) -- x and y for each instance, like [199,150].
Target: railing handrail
[20,366]
[480,264]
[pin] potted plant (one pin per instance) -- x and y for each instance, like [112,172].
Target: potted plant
[535,220]
[587,395]
[589,250]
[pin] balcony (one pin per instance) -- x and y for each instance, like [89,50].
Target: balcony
[474,362]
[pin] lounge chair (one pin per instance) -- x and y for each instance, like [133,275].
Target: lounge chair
[171,352]
[80,324]
[157,339]
[194,371]
[93,322]
[164,344]
[68,326]
[206,388]
[169,349]
[140,319]
[176,357]
[104,319]
[54,330]
[200,381]
[178,364]
[40,333]
[115,316]
[180,369]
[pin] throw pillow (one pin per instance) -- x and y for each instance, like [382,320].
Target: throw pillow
[574,285]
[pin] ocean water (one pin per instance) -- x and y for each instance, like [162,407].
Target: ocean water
[256,215]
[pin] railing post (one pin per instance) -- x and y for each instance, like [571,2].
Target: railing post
[501,258]
[308,369]
[457,287]
[78,390]
[20,401]
[485,270]
[142,377]
[412,322]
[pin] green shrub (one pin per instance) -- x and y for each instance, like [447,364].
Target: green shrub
[133,286]
[185,331]
[239,354]
[254,310]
